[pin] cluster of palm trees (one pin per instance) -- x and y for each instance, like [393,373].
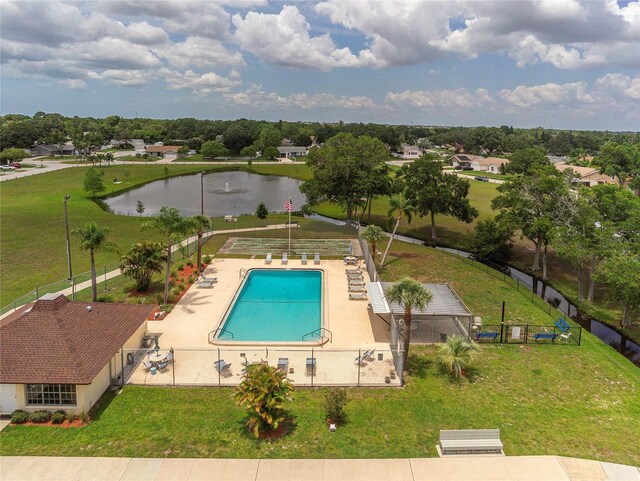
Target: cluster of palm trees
[145,259]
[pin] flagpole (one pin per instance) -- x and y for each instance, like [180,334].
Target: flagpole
[289,209]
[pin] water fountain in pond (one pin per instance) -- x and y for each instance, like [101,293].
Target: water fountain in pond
[228,190]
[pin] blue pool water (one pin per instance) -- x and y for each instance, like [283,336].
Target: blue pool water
[275,305]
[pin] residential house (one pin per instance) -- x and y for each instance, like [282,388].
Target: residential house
[408,152]
[478,163]
[588,176]
[167,152]
[53,149]
[289,152]
[58,354]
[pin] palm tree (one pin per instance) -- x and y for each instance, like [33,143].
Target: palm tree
[400,207]
[200,224]
[456,354]
[93,238]
[143,260]
[409,293]
[170,223]
[373,234]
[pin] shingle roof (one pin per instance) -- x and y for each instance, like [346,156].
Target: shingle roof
[162,148]
[59,341]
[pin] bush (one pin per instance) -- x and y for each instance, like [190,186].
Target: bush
[84,417]
[19,416]
[335,400]
[206,259]
[58,417]
[191,279]
[261,211]
[40,416]
[190,263]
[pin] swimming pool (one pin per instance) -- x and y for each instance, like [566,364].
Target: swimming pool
[275,305]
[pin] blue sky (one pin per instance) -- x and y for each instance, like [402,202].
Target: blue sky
[555,63]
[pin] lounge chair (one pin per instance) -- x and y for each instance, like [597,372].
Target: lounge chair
[147,364]
[283,364]
[222,367]
[355,280]
[357,296]
[285,258]
[207,278]
[268,259]
[353,270]
[311,366]
[357,288]
[169,356]
[363,358]
[205,284]
[303,261]
[163,365]
[316,258]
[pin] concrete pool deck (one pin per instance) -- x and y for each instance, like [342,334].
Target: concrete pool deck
[354,328]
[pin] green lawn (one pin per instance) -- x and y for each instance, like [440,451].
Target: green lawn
[32,232]
[546,400]
[489,175]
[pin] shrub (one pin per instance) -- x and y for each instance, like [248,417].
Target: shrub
[40,416]
[263,393]
[456,355]
[84,417]
[173,273]
[191,279]
[207,259]
[58,417]
[180,266]
[19,416]
[261,211]
[335,400]
[190,263]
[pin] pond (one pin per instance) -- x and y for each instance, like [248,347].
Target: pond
[225,193]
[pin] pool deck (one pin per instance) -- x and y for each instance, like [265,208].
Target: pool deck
[354,327]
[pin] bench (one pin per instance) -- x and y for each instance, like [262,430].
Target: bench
[470,441]
[545,335]
[487,335]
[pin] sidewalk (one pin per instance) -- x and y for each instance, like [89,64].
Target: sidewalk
[477,468]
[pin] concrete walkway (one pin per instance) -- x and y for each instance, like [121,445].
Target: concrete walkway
[477,468]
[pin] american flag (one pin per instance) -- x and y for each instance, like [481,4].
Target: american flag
[288,206]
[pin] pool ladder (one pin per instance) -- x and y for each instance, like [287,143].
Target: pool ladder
[243,273]
[325,335]
[212,335]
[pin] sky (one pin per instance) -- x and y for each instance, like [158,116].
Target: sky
[565,64]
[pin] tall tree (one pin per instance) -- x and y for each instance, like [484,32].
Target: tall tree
[143,260]
[409,293]
[213,149]
[93,182]
[170,223]
[398,207]
[526,160]
[621,161]
[93,238]
[200,224]
[433,192]
[342,168]
[534,204]
[621,273]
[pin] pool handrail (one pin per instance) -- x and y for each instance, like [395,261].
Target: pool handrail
[212,334]
[243,273]
[321,331]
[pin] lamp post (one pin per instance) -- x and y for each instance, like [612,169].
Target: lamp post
[202,193]
[66,225]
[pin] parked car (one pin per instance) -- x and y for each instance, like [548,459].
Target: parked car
[16,165]
[482,178]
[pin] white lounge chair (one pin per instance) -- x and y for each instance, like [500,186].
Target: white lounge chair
[205,284]
[357,288]
[206,278]
[268,259]
[285,258]
[353,270]
[316,258]
[357,296]
[222,367]
[303,261]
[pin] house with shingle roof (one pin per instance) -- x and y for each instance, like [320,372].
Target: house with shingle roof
[478,163]
[588,176]
[289,151]
[408,152]
[167,152]
[58,354]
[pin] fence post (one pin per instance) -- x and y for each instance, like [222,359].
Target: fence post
[313,365]
[105,277]
[526,333]
[218,367]
[359,363]
[579,335]
[122,365]
[37,294]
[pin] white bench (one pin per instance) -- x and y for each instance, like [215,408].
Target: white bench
[470,441]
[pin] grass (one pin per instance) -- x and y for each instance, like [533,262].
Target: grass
[32,231]
[546,400]
[229,158]
[133,158]
[488,175]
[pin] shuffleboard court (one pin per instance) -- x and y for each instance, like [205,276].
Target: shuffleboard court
[263,246]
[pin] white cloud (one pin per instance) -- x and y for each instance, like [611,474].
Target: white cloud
[620,85]
[550,94]
[73,84]
[257,98]
[203,84]
[201,52]
[284,39]
[434,99]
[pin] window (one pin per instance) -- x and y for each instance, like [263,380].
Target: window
[51,394]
